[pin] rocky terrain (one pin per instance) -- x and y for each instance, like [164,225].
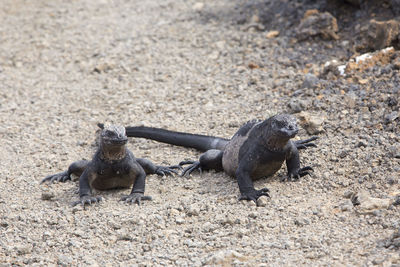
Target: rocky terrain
[203,67]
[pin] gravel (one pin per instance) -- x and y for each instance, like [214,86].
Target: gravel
[191,66]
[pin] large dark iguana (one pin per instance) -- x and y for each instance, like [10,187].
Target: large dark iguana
[112,166]
[258,149]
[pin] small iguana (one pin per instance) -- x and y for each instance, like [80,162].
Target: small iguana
[112,166]
[258,149]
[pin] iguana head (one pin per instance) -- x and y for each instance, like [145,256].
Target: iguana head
[113,135]
[284,126]
[278,130]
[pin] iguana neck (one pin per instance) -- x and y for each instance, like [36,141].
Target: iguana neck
[111,153]
[275,143]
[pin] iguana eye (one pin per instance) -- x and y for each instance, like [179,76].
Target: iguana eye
[280,124]
[110,133]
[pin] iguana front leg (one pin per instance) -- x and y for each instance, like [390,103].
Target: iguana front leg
[293,166]
[303,144]
[85,192]
[246,187]
[137,193]
[151,168]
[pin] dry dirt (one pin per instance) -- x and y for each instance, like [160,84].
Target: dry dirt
[203,67]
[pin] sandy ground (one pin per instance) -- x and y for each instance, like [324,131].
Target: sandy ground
[195,67]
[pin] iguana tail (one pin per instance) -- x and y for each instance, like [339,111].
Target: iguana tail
[199,142]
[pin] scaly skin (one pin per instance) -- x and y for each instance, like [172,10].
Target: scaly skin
[112,166]
[258,149]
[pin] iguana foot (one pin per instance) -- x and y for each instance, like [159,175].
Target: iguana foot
[87,200]
[254,194]
[194,165]
[135,198]
[166,171]
[303,144]
[295,175]
[58,177]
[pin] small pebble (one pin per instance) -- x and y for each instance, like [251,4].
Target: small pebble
[47,195]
